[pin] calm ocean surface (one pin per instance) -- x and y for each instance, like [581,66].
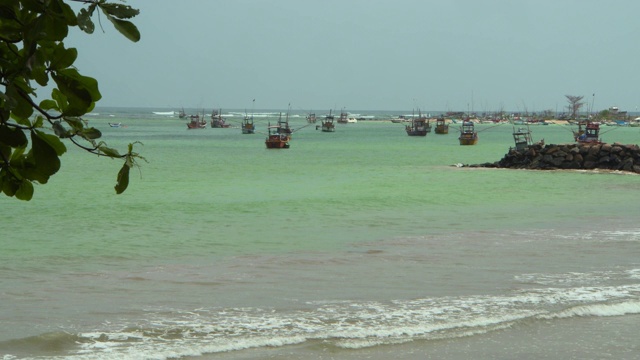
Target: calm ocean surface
[363,243]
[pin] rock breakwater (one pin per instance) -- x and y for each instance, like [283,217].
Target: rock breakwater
[571,156]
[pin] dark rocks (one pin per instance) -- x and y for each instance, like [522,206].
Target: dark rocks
[571,156]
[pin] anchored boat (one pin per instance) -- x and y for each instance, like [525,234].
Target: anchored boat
[419,126]
[328,124]
[276,140]
[522,138]
[441,126]
[590,135]
[468,134]
[196,122]
[248,127]
[217,121]
[283,126]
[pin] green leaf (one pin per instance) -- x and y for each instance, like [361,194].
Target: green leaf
[39,74]
[126,28]
[110,152]
[63,58]
[10,27]
[6,12]
[12,137]
[84,19]
[25,190]
[45,157]
[123,179]
[52,141]
[20,107]
[60,131]
[51,24]
[38,122]
[9,186]
[5,151]
[119,10]
[17,154]
[75,122]
[2,172]
[81,91]
[66,11]
[41,162]
[90,133]
[49,105]
[60,99]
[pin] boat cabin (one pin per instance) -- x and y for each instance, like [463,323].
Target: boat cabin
[328,124]
[468,134]
[441,126]
[522,138]
[591,134]
[418,127]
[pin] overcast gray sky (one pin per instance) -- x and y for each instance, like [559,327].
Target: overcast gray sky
[483,55]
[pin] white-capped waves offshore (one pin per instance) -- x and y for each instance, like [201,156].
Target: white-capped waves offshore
[171,333]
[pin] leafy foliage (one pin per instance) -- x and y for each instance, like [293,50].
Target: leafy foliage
[32,53]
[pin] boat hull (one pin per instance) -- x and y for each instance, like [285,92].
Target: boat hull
[418,127]
[442,130]
[277,142]
[328,127]
[276,145]
[196,125]
[468,140]
[248,130]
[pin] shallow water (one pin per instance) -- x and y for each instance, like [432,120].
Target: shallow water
[360,243]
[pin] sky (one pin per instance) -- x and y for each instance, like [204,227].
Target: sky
[316,55]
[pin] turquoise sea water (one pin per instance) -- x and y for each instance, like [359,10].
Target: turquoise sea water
[358,243]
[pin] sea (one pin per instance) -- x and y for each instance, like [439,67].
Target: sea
[364,243]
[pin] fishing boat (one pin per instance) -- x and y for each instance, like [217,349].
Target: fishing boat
[400,119]
[311,118]
[196,123]
[468,134]
[344,117]
[182,114]
[522,138]
[115,125]
[420,126]
[217,121]
[580,131]
[441,126]
[248,127]
[328,124]
[283,126]
[276,140]
[591,134]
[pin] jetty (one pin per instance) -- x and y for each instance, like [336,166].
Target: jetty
[579,156]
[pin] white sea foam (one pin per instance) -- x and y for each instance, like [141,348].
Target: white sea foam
[172,333]
[633,273]
[618,309]
[573,279]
